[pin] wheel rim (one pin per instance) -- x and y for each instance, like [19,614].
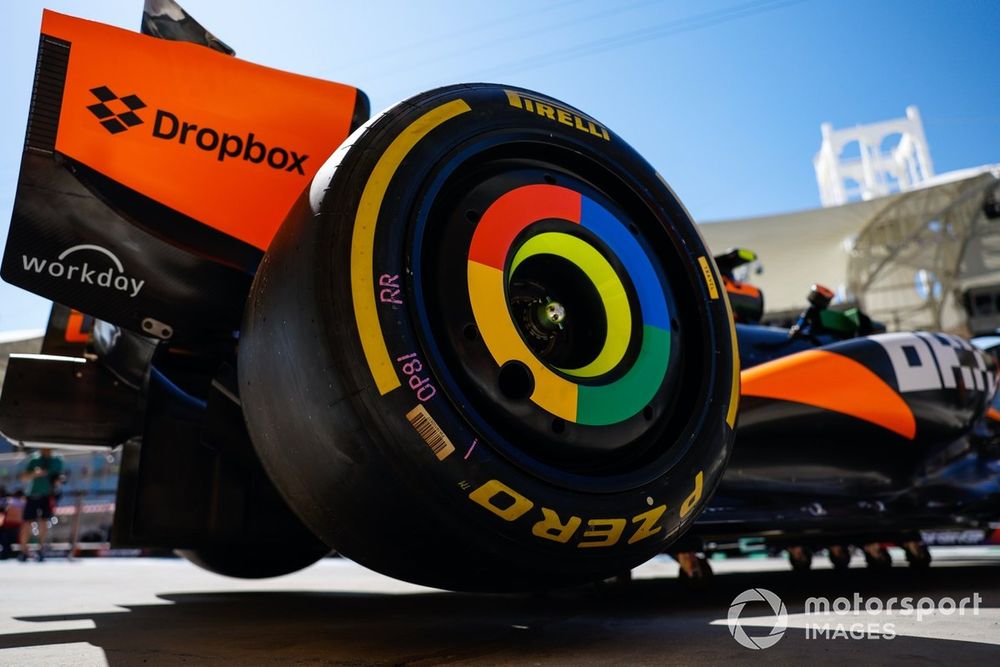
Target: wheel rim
[514,250]
[568,330]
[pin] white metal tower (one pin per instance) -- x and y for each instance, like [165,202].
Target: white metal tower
[880,167]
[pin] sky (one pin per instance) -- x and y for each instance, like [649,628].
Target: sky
[723,97]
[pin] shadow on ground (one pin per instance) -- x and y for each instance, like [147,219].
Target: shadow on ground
[646,622]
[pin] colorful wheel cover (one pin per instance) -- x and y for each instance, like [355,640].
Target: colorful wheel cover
[601,391]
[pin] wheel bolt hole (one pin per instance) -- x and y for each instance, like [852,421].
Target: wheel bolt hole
[472,216]
[550,179]
[647,412]
[674,325]
[558,425]
[516,381]
[471,332]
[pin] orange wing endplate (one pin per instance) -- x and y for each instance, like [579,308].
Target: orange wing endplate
[221,140]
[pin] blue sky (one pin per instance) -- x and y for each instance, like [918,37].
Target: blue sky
[723,97]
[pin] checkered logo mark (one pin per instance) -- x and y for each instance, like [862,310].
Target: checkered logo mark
[116,114]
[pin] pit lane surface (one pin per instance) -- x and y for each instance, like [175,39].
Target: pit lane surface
[158,611]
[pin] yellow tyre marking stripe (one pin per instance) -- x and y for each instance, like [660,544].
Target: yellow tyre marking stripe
[552,392]
[734,396]
[608,285]
[363,241]
[713,290]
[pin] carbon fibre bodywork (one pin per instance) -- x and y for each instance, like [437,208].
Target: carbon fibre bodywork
[869,439]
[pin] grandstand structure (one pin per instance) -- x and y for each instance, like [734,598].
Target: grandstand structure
[913,248]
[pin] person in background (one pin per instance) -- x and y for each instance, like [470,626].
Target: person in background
[11,516]
[42,474]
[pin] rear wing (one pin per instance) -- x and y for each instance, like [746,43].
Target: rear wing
[155,173]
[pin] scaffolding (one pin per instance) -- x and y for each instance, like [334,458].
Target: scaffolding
[911,265]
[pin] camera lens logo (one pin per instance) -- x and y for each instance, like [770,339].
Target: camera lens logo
[737,630]
[116,114]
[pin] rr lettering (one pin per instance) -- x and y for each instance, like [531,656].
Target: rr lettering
[390,291]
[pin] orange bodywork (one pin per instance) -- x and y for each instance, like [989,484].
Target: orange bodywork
[74,328]
[744,289]
[832,382]
[242,198]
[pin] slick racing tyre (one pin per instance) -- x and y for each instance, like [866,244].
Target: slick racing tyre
[244,562]
[489,350]
[279,543]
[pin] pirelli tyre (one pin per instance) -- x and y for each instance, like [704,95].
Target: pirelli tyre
[489,350]
[249,561]
[281,544]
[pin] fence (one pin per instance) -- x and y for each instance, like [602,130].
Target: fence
[81,523]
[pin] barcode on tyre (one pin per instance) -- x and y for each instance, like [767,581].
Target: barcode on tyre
[432,434]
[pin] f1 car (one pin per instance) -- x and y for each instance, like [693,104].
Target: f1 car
[851,436]
[474,342]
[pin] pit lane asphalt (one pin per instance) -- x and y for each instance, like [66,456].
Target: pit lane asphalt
[132,611]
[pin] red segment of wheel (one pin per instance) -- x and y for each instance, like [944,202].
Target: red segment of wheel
[514,211]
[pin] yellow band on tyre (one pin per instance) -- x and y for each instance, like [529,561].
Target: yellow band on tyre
[363,241]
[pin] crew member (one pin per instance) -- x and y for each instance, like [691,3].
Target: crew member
[42,474]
